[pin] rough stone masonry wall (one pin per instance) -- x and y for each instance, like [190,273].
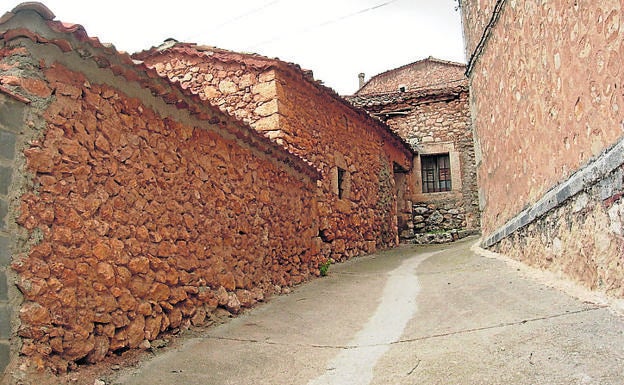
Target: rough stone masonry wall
[331,134]
[476,15]
[582,238]
[413,77]
[134,222]
[442,121]
[240,90]
[311,123]
[545,98]
[546,102]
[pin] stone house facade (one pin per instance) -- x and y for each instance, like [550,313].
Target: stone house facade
[128,205]
[427,104]
[364,165]
[545,81]
[422,74]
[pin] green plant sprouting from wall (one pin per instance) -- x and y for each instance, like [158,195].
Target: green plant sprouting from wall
[324,267]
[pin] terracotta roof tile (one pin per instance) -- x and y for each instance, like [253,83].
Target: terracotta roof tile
[73,36]
[36,6]
[385,98]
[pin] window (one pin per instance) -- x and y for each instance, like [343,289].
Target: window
[341,182]
[436,173]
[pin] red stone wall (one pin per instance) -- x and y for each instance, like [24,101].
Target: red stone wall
[476,15]
[547,109]
[332,135]
[546,97]
[143,224]
[285,105]
[242,91]
[426,73]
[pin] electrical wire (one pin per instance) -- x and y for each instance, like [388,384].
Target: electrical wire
[320,25]
[244,15]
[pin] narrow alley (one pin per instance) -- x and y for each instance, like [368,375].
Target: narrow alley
[413,315]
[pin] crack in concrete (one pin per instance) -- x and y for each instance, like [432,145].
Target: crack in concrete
[498,326]
[409,340]
[414,368]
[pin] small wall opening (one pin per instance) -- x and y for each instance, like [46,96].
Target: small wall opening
[341,182]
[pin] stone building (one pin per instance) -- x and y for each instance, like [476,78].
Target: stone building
[128,205]
[364,165]
[546,100]
[427,104]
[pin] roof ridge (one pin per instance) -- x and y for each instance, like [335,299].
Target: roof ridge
[171,44]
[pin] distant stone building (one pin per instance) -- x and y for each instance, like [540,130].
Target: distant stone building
[364,165]
[426,103]
[547,105]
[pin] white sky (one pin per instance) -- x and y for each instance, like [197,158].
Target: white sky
[337,39]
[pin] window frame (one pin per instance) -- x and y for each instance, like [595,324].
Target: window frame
[436,173]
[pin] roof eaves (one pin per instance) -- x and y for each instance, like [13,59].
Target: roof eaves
[381,99]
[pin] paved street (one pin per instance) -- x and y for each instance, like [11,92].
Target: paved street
[413,315]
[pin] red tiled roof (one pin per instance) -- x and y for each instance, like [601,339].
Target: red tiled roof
[121,64]
[384,98]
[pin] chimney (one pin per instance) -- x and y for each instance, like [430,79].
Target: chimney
[361,77]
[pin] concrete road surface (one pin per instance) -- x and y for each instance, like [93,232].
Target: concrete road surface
[413,315]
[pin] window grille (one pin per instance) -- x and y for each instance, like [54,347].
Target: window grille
[436,173]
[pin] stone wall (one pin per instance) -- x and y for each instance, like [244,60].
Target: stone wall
[332,135]
[438,217]
[421,74]
[437,121]
[582,237]
[287,105]
[445,124]
[545,98]
[134,211]
[476,16]
[547,112]
[241,90]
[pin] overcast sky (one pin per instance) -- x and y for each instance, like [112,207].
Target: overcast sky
[337,39]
